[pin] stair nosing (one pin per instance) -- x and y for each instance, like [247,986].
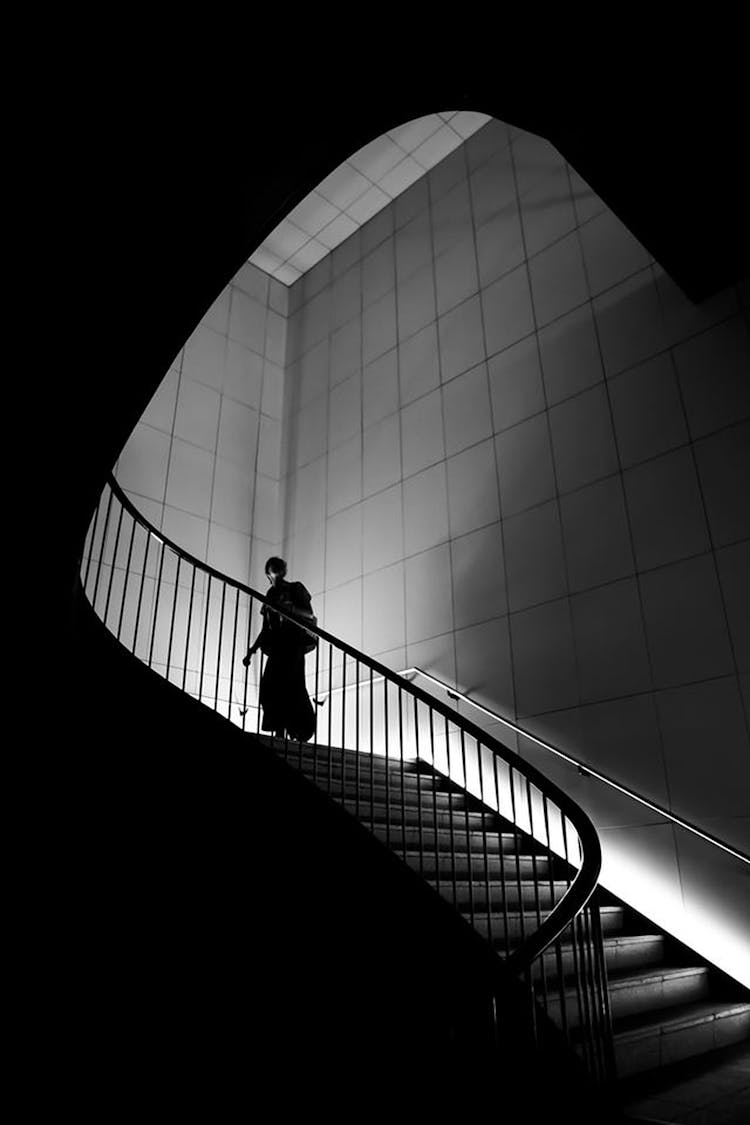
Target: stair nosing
[684,1015]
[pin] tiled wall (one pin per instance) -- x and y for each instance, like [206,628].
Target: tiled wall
[518,458]
[505,448]
[204,462]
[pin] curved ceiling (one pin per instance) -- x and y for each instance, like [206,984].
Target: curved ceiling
[359,188]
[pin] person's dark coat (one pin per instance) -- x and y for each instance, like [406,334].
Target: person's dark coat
[283,692]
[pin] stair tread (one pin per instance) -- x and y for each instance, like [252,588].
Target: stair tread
[531,911]
[384,809]
[461,830]
[655,972]
[695,1012]
[494,857]
[630,977]
[611,941]
[321,751]
[498,883]
[398,798]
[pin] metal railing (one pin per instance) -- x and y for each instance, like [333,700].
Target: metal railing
[502,843]
[583,767]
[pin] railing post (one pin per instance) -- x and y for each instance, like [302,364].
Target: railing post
[205,639]
[114,563]
[140,592]
[187,630]
[102,548]
[156,606]
[234,653]
[174,609]
[218,647]
[126,580]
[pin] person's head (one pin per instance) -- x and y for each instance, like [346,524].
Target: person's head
[275,568]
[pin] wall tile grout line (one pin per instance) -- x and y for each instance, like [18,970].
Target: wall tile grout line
[555,477]
[647,639]
[501,520]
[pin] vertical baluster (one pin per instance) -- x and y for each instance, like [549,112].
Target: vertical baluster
[94,525]
[174,610]
[503,894]
[156,606]
[114,561]
[286,743]
[317,710]
[597,1027]
[140,592]
[187,629]
[451,815]
[126,580]
[260,684]
[343,731]
[577,973]
[205,638]
[357,744]
[372,756]
[519,884]
[218,647]
[303,658]
[586,1026]
[404,818]
[467,819]
[537,902]
[558,953]
[419,788]
[487,880]
[247,666]
[597,1040]
[434,800]
[233,660]
[330,718]
[387,769]
[609,1068]
[102,548]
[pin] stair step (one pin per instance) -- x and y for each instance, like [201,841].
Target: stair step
[427,798]
[507,891]
[636,993]
[661,1014]
[397,815]
[364,768]
[414,782]
[648,1041]
[612,921]
[310,752]
[504,864]
[448,839]
[621,953]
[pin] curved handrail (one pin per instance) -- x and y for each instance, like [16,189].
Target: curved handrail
[585,882]
[538,806]
[584,767]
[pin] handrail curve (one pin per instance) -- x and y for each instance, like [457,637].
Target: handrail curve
[584,883]
[584,767]
[578,894]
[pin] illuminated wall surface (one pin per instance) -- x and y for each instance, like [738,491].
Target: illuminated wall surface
[516,456]
[204,463]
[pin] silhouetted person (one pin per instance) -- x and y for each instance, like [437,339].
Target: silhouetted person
[283,693]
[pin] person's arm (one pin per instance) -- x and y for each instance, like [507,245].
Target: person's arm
[256,645]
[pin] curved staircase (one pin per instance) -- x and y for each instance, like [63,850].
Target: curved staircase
[519,862]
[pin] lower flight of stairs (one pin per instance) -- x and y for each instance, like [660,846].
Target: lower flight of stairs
[667,1004]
